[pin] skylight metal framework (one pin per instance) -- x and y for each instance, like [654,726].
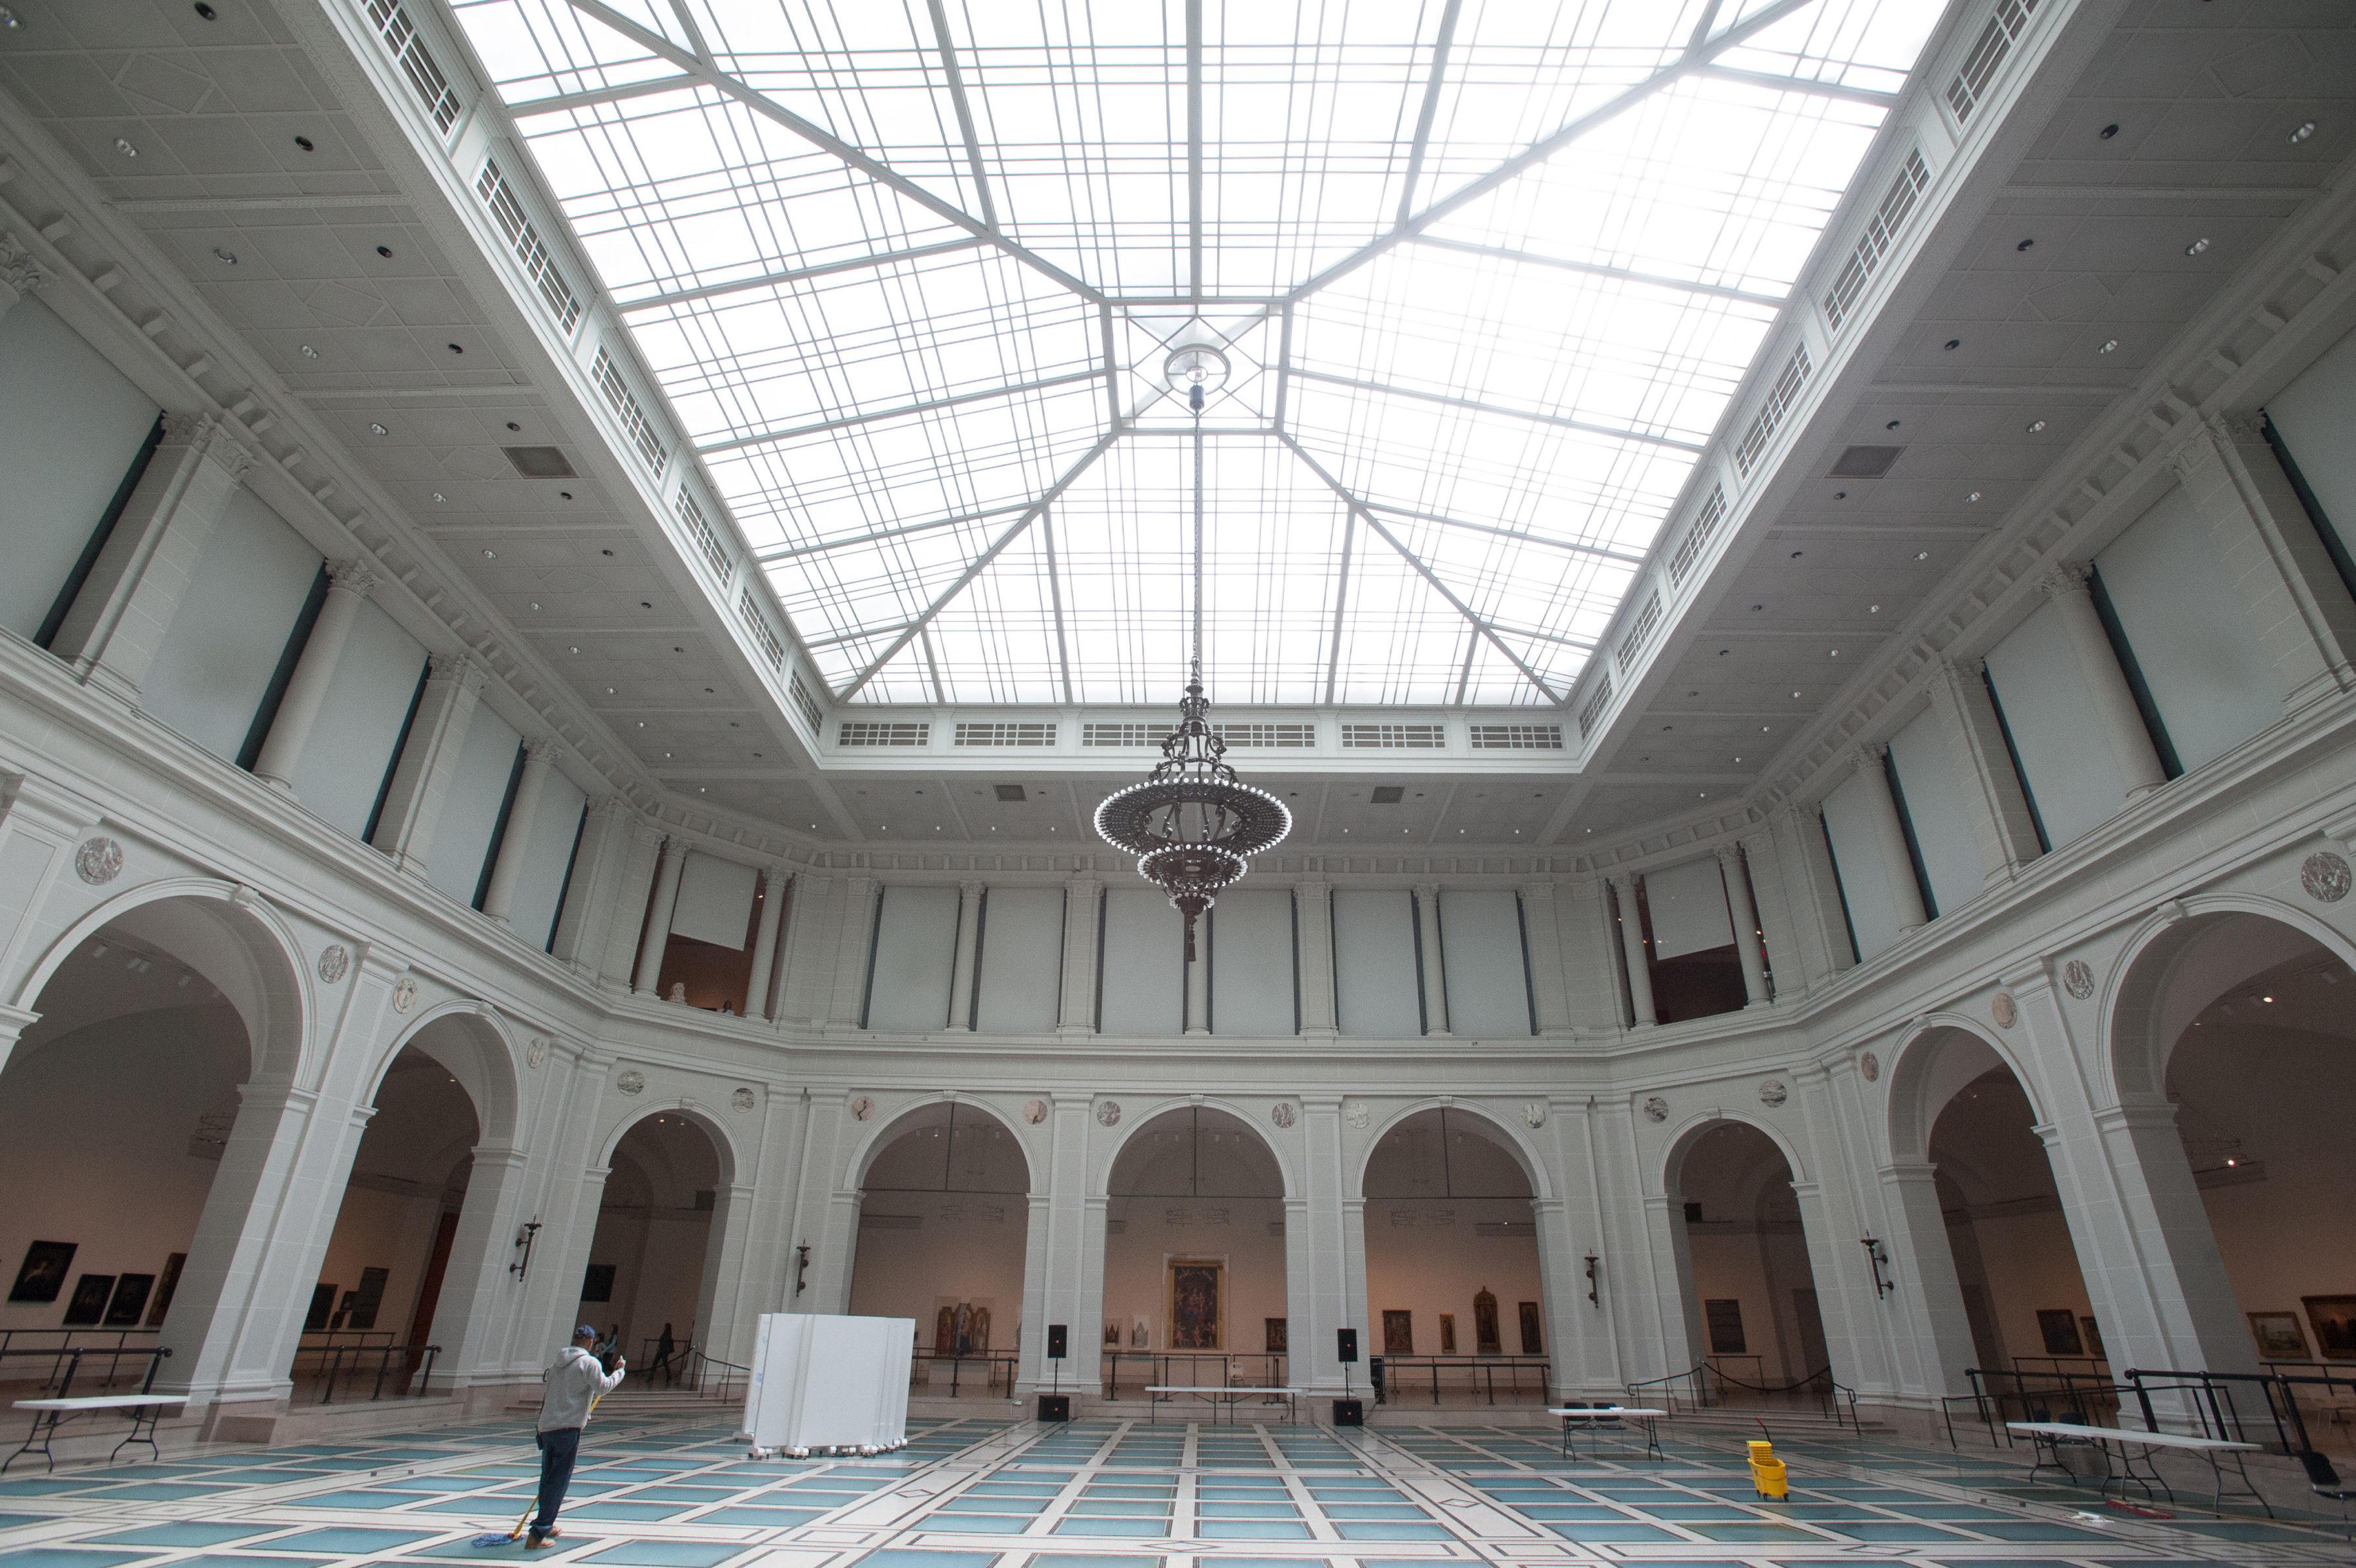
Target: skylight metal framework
[1487,274]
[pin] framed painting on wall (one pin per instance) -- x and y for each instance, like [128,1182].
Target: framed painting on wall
[2333,1318]
[1532,1338]
[1724,1317]
[165,1284]
[1196,1304]
[369,1298]
[1448,1333]
[2280,1336]
[89,1303]
[2094,1336]
[1488,1339]
[1398,1333]
[2059,1327]
[43,1274]
[597,1281]
[322,1307]
[1279,1336]
[129,1300]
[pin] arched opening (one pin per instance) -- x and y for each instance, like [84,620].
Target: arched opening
[1194,1260]
[116,1107]
[652,1261]
[944,1215]
[1753,1313]
[2244,1023]
[1454,1302]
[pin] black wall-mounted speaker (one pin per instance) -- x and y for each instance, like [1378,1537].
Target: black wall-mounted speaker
[1059,1339]
[1346,1344]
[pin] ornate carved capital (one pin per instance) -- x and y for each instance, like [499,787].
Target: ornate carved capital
[2066,581]
[208,437]
[2239,424]
[1730,857]
[353,576]
[459,668]
[19,269]
[1865,757]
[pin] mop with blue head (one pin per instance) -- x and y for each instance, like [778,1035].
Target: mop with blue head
[494,1537]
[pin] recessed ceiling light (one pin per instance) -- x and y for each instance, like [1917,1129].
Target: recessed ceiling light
[1873,610]
[1834,654]
[1893,424]
[1756,607]
[309,352]
[2302,133]
[666,756]
[2197,246]
[1737,759]
[440,497]
[1840,494]
[2109,347]
[490,554]
[385,251]
[122,145]
[1922,555]
[2107,131]
[8,19]
[513,425]
[376,429]
[306,143]
[535,604]
[1763,728]
[1796,697]
[455,347]
[226,258]
[1797,554]
[1954,343]
[2024,245]
[1973,497]
[576,648]
[206,11]
[609,690]
[2036,427]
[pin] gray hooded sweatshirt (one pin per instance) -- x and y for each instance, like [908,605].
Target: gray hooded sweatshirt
[572,1383]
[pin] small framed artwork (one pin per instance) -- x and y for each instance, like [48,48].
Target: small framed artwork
[1279,1336]
[1532,1338]
[89,1303]
[2333,1318]
[2280,1336]
[2059,1327]
[597,1283]
[323,1308]
[1112,1334]
[43,1274]
[1398,1333]
[1448,1333]
[166,1285]
[2093,1337]
[129,1300]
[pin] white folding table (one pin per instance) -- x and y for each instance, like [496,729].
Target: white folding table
[1643,1417]
[2128,1441]
[1228,1394]
[145,1410]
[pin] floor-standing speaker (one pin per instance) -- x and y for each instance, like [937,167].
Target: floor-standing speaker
[1349,1413]
[1055,1407]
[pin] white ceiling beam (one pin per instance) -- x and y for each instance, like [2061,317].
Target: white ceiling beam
[876,536]
[798,274]
[1195,148]
[1341,604]
[1445,36]
[899,411]
[1625,557]
[1561,421]
[964,108]
[1769,79]
[1597,269]
[590,98]
[1055,598]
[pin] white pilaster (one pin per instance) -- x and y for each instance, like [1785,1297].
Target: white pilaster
[1639,970]
[854,936]
[968,955]
[2002,829]
[1312,905]
[1547,987]
[775,883]
[420,779]
[1318,1288]
[2115,717]
[475,1296]
[1435,968]
[514,844]
[1889,837]
[648,975]
[1076,1011]
[639,857]
[1063,1256]
[1745,910]
[349,583]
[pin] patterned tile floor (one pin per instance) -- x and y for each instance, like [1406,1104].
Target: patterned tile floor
[671,1492]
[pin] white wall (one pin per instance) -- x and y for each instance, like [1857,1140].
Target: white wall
[1936,808]
[1251,962]
[71,425]
[915,947]
[2313,415]
[1144,963]
[549,851]
[2075,780]
[1480,948]
[1021,965]
[470,813]
[351,750]
[214,665]
[965,1247]
[1865,879]
[1374,972]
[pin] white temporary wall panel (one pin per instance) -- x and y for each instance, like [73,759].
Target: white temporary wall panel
[1022,961]
[1251,962]
[1144,964]
[470,813]
[546,855]
[1374,971]
[1687,904]
[2313,416]
[827,1381]
[715,900]
[71,425]
[916,948]
[2201,659]
[2075,779]
[1481,953]
[1865,880]
[1936,808]
[344,762]
[214,665]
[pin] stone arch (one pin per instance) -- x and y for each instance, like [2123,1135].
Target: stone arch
[1533,1168]
[231,936]
[875,1140]
[1923,1076]
[1132,1121]
[1681,1143]
[731,1159]
[473,1042]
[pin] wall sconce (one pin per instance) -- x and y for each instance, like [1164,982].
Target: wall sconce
[1880,1258]
[801,1267]
[524,1237]
[1594,1285]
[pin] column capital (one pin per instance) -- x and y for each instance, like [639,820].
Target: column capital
[1427,890]
[2238,425]
[2067,580]
[207,436]
[1539,887]
[458,668]
[968,886]
[19,269]
[354,574]
[1729,856]
[1864,757]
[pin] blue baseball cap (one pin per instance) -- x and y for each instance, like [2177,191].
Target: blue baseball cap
[584,1332]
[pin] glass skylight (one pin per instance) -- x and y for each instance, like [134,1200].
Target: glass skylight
[1486,273]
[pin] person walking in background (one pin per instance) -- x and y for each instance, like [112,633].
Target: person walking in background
[573,1388]
[664,1350]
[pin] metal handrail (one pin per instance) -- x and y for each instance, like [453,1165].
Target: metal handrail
[1831,1392]
[65,1361]
[999,1366]
[682,1353]
[415,1372]
[1164,1359]
[2212,1401]
[699,1374]
[2034,1394]
[1384,1370]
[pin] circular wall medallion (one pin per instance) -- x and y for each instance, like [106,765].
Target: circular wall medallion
[1282,1113]
[536,1054]
[1107,1113]
[2004,1010]
[335,962]
[631,1082]
[742,1099]
[1534,1113]
[2323,874]
[99,861]
[1359,1114]
[2078,977]
[1871,1065]
[404,995]
[1656,1109]
[1773,1092]
[1034,1112]
[862,1108]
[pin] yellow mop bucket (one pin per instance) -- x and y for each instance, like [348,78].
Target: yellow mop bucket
[1767,1475]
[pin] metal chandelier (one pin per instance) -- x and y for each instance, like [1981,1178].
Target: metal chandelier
[1192,823]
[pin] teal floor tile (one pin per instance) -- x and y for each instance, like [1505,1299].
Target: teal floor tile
[1222,1509]
[1250,1530]
[901,1558]
[65,1557]
[236,1560]
[638,1513]
[976,1502]
[1126,1527]
[766,1518]
[665,1554]
[1113,1507]
[1353,1530]
[359,1500]
[1623,1531]
[348,1541]
[977,1523]
[194,1532]
[1338,1511]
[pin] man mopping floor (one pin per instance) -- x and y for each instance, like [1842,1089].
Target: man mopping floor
[574,1385]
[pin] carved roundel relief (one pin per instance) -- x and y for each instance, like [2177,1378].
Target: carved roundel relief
[631,1082]
[862,1108]
[2324,875]
[1359,1114]
[99,861]
[2004,1010]
[536,1054]
[1656,1109]
[2078,977]
[335,962]
[1773,1092]
[1034,1112]
[1534,1113]
[742,1099]
[1871,1065]
[1108,1113]
[1283,1113]
[404,995]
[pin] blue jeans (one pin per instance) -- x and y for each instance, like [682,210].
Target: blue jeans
[558,1450]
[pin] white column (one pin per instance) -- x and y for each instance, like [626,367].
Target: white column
[626,915]
[726,1242]
[467,1319]
[349,583]
[597,881]
[2002,829]
[1745,910]
[1435,970]
[1076,1006]
[1589,946]
[647,976]
[1805,862]
[1063,1263]
[1890,837]
[2115,715]
[1632,950]
[969,953]
[1929,1293]
[20,274]
[848,996]
[118,620]
[514,844]
[421,781]
[774,884]
[1545,947]
[813,932]
[1318,1295]
[1312,905]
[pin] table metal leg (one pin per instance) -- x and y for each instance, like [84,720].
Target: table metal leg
[143,1430]
[44,1425]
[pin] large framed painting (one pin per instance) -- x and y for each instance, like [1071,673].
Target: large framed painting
[597,1281]
[2333,1318]
[43,1273]
[129,1300]
[2280,1336]
[1724,1316]
[1279,1336]
[1197,1304]
[1486,1339]
[1398,1333]
[88,1306]
[1533,1336]
[2059,1325]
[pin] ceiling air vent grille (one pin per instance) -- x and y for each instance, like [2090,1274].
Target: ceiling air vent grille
[1280,737]
[1866,462]
[529,252]
[624,403]
[1593,710]
[1640,630]
[763,635]
[1004,734]
[1990,51]
[1690,547]
[1779,398]
[417,63]
[1880,233]
[1516,737]
[1117,734]
[873,732]
[540,462]
[804,704]
[705,537]
[1393,737]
